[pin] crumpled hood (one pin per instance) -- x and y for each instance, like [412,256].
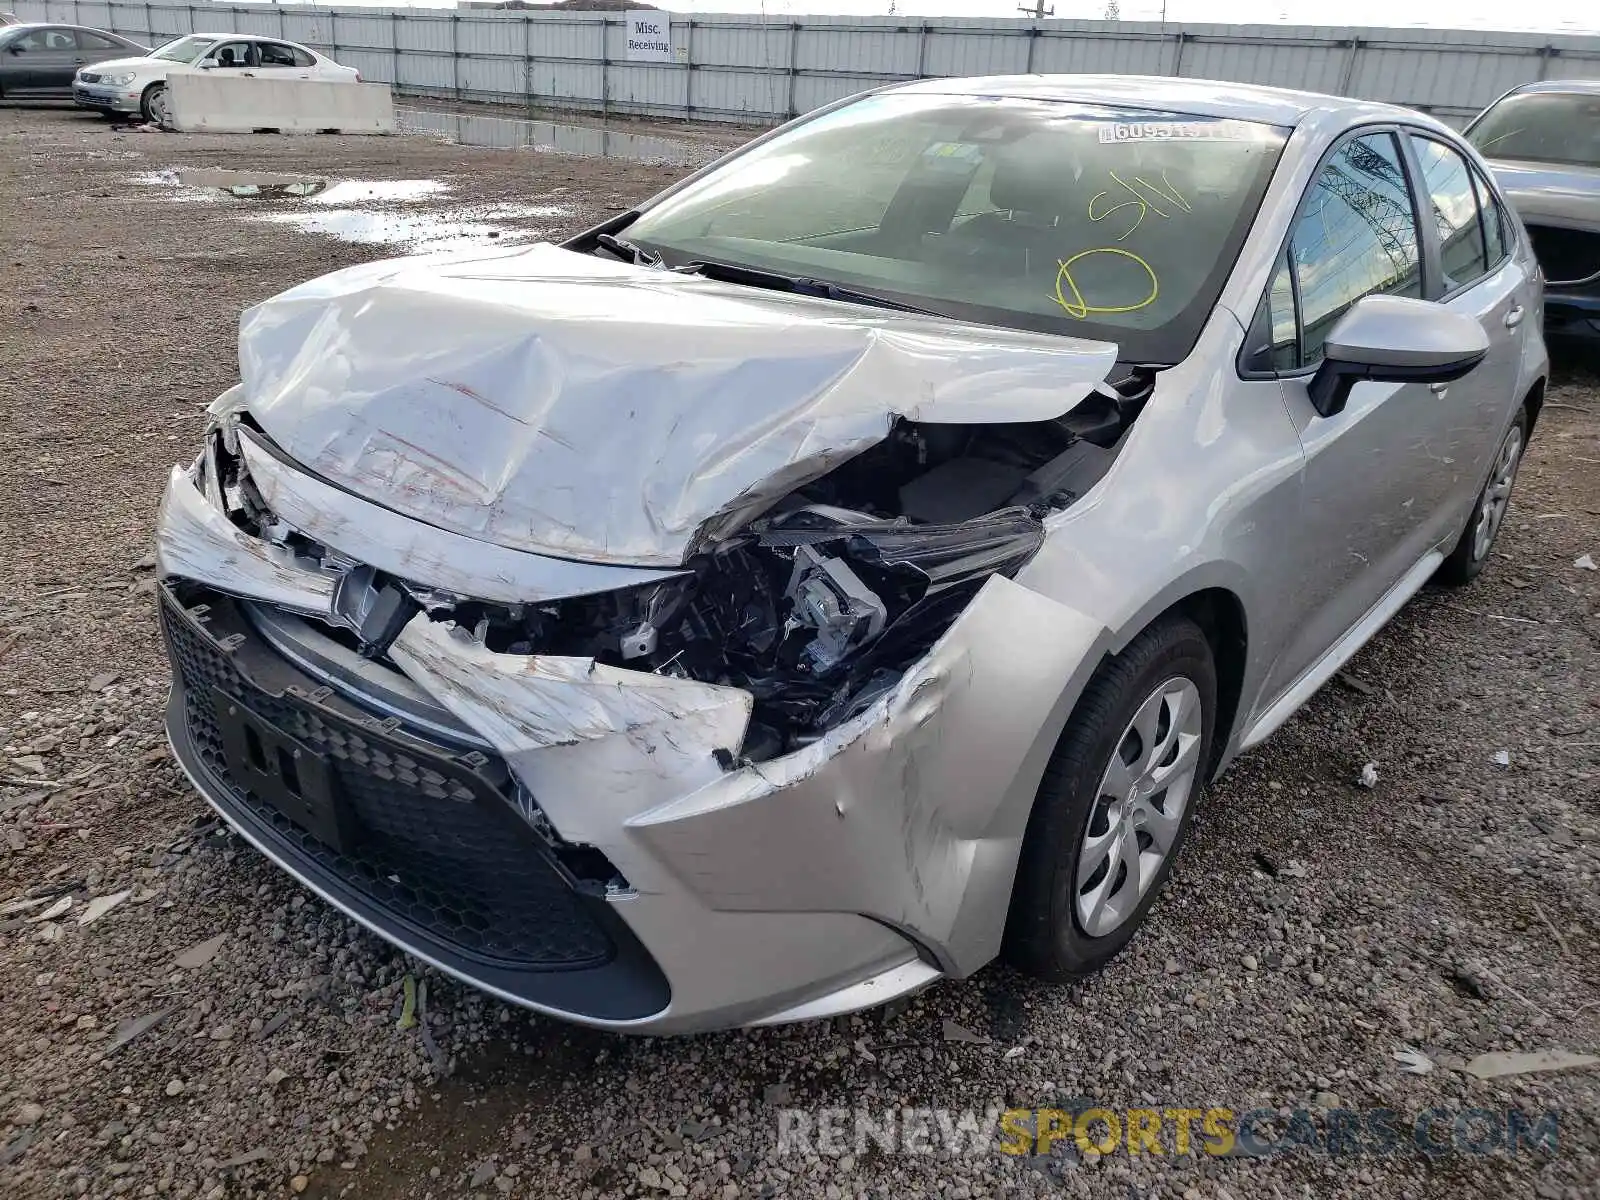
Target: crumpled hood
[560,403]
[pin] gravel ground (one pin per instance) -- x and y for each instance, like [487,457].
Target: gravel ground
[219,1033]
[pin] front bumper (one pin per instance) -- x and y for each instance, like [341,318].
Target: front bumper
[443,866]
[1572,315]
[862,867]
[105,99]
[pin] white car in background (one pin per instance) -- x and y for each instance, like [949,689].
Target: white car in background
[138,86]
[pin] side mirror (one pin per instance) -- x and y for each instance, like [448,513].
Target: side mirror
[14,48]
[1394,339]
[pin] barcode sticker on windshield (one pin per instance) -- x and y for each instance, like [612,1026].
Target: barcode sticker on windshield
[1160,131]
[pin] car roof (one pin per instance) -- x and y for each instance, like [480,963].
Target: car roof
[243,37]
[238,37]
[1574,87]
[1198,97]
[58,25]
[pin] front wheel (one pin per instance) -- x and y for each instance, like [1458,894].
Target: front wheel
[1471,553]
[1115,804]
[154,104]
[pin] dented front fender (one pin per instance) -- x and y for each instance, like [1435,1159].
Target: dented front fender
[911,813]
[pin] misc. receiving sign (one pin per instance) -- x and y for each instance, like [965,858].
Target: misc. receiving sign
[649,36]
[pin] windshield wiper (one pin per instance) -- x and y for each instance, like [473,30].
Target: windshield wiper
[623,248]
[802,285]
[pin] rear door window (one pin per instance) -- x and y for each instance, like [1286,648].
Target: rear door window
[1496,232]
[1453,205]
[96,43]
[275,54]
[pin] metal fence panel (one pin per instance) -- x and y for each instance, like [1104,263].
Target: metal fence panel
[497,76]
[427,34]
[762,70]
[376,66]
[948,53]
[583,38]
[361,31]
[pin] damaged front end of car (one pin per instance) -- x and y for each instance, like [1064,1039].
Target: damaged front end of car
[780,777]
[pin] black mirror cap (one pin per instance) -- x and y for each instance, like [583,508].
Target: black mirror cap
[1330,387]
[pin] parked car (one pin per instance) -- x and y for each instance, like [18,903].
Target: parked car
[850,564]
[37,62]
[1543,142]
[138,86]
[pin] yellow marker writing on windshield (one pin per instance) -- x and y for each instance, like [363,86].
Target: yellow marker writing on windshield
[1078,307]
[1140,200]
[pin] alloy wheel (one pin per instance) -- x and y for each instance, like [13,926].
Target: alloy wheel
[1492,508]
[1139,807]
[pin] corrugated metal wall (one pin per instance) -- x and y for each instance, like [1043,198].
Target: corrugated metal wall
[742,68]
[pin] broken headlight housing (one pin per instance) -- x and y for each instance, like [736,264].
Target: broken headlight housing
[816,612]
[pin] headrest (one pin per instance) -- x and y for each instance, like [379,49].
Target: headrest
[1025,182]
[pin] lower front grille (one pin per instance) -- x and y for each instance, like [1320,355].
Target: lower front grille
[1566,255]
[439,852]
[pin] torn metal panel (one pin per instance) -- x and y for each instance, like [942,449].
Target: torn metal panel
[452,562]
[557,403]
[195,540]
[901,980]
[593,744]
[912,811]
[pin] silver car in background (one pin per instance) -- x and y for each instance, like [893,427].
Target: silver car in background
[850,565]
[1543,142]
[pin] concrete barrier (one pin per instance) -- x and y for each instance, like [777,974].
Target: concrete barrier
[214,103]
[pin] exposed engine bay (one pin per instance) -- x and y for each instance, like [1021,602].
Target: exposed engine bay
[817,607]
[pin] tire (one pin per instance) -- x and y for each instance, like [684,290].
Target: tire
[1052,931]
[1471,553]
[154,95]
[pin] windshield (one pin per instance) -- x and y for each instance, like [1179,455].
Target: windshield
[184,49]
[1552,127]
[1101,222]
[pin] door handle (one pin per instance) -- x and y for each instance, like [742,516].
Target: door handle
[1439,389]
[1514,317]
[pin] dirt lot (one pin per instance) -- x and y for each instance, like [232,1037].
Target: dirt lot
[220,1033]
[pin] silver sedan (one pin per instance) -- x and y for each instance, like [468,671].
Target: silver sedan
[850,565]
[1543,143]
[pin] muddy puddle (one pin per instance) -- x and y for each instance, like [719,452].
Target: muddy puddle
[403,213]
[419,232]
[551,137]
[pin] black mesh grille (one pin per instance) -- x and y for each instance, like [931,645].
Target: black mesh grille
[439,848]
[1566,254]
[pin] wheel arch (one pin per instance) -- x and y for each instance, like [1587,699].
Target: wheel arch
[1220,614]
[1533,402]
[1215,597]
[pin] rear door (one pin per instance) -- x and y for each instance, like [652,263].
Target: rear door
[96,47]
[1476,276]
[279,61]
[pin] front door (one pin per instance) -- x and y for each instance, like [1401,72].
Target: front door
[42,63]
[1376,474]
[233,58]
